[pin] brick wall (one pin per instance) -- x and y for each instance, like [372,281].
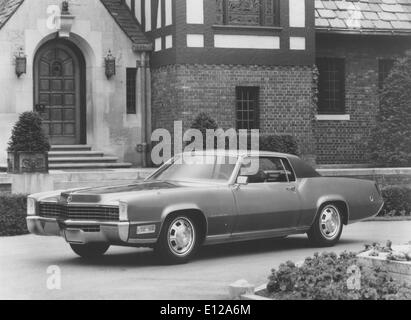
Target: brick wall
[345,141]
[181,92]
[384,177]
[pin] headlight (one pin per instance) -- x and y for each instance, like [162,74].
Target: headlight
[123,208]
[31,207]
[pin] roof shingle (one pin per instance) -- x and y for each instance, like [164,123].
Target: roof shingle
[362,16]
[128,23]
[7,9]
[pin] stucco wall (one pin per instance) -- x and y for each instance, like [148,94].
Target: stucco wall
[95,32]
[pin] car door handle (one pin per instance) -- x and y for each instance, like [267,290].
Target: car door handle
[292,189]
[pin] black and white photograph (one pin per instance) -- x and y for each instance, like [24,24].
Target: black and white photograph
[224,152]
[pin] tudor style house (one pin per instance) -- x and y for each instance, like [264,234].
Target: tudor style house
[107,73]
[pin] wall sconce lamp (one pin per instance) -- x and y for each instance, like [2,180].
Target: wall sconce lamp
[21,63]
[110,65]
[66,20]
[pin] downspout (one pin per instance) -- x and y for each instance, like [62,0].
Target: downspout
[141,94]
[148,114]
[143,84]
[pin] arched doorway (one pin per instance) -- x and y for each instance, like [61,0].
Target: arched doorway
[59,91]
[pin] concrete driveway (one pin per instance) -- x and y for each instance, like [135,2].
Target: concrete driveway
[127,273]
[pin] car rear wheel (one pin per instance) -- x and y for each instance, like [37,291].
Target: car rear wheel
[327,228]
[178,241]
[90,250]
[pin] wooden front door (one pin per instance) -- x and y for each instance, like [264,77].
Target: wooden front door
[57,88]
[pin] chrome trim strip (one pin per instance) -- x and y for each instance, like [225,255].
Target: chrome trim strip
[253,235]
[37,218]
[94,222]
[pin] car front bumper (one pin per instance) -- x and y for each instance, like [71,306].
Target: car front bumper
[83,232]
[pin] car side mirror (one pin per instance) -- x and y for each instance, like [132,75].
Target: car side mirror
[242,180]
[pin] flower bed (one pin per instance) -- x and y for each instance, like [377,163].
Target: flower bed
[329,276]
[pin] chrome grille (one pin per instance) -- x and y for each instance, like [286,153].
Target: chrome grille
[55,210]
[50,210]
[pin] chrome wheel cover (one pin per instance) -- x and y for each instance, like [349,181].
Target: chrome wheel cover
[181,236]
[330,222]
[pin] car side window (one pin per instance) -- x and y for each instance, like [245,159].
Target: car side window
[289,170]
[268,170]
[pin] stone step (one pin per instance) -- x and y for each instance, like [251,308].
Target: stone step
[83,159]
[90,165]
[80,154]
[70,148]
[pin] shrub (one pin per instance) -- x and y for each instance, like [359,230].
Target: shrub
[28,135]
[279,143]
[325,277]
[390,142]
[397,201]
[12,215]
[203,122]
[273,143]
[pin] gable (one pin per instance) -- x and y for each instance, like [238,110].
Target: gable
[118,9]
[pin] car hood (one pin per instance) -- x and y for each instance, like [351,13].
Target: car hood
[113,193]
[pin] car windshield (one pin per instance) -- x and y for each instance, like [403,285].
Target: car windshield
[193,167]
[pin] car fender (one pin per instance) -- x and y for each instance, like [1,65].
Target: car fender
[180,207]
[332,198]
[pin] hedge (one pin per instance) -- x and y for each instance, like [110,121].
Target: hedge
[326,277]
[12,215]
[397,201]
[390,140]
[279,143]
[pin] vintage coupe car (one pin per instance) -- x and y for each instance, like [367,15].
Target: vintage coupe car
[204,198]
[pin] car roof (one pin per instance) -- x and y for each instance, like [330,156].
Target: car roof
[239,153]
[302,169]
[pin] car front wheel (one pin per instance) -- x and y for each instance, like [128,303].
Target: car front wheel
[327,228]
[90,250]
[178,241]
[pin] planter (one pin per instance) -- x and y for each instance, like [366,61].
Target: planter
[27,162]
[257,295]
[399,270]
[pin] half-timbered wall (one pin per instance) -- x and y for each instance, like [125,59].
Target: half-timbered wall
[262,32]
